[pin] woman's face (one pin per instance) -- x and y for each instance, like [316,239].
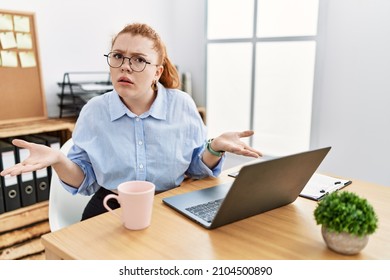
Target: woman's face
[130,85]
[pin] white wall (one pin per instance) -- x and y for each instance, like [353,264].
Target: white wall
[352,93]
[189,47]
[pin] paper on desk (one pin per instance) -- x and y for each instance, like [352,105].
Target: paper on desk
[320,185]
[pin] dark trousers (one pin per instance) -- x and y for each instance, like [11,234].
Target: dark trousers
[95,205]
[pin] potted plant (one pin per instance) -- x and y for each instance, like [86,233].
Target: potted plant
[347,221]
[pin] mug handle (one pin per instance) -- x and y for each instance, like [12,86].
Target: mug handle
[106,199]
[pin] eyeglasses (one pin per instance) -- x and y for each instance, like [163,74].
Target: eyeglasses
[137,63]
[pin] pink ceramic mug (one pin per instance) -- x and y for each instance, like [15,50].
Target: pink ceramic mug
[136,200]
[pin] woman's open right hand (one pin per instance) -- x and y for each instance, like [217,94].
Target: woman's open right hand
[41,156]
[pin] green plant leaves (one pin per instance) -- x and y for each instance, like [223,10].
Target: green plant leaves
[346,212]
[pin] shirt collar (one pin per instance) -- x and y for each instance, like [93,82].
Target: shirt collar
[158,110]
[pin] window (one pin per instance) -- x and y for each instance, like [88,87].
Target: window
[260,70]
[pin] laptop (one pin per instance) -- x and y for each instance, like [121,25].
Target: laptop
[259,187]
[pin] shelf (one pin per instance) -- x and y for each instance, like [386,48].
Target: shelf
[34,127]
[21,229]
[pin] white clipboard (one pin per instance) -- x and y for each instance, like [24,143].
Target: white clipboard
[320,185]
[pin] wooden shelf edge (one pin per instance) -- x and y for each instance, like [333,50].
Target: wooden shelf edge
[24,216]
[32,127]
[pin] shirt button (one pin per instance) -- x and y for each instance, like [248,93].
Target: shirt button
[141,166]
[140,143]
[137,119]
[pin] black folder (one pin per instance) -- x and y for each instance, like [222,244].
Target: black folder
[2,207]
[28,193]
[26,181]
[53,142]
[41,177]
[10,184]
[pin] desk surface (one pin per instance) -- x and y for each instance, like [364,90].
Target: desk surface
[289,232]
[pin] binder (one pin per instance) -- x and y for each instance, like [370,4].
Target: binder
[11,191]
[54,143]
[2,208]
[41,177]
[26,181]
[51,141]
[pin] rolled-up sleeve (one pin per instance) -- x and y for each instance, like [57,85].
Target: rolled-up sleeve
[198,169]
[89,185]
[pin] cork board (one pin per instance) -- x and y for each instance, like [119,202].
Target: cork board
[21,91]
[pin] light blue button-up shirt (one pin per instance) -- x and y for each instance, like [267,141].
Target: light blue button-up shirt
[163,145]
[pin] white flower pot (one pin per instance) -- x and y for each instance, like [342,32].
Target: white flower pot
[344,243]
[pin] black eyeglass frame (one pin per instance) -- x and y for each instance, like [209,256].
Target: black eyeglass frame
[129,58]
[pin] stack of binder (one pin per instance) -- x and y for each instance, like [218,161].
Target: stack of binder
[27,188]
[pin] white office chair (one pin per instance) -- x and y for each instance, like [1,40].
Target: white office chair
[64,208]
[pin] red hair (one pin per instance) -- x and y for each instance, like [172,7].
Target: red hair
[169,77]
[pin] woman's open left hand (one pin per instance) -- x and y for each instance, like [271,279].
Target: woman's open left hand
[231,142]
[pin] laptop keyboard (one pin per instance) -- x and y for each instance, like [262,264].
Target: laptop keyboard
[206,211]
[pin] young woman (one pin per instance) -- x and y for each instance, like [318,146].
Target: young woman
[145,129]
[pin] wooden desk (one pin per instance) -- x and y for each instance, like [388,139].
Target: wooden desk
[289,232]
